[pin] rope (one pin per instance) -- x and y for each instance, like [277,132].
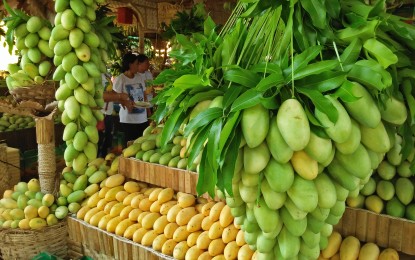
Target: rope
[47,167]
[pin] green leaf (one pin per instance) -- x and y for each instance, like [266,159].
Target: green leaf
[210,94]
[316,68]
[317,12]
[213,154]
[320,102]
[231,156]
[189,81]
[270,103]
[229,127]
[197,144]
[311,117]
[407,139]
[160,113]
[209,26]
[204,180]
[352,52]
[323,82]
[202,119]
[230,96]
[266,68]
[380,52]
[303,59]
[247,99]
[333,8]
[243,77]
[172,125]
[273,79]
[370,73]
[345,92]
[409,99]
[8,8]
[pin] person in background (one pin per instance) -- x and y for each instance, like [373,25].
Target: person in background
[133,120]
[145,75]
[106,128]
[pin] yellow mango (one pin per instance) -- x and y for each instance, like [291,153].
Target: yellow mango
[304,165]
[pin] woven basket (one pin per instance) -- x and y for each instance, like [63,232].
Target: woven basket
[8,174]
[42,94]
[25,244]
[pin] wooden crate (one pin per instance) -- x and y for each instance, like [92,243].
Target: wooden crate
[87,240]
[160,175]
[383,230]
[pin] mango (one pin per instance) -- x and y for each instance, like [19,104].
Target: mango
[255,125]
[92,133]
[310,238]
[385,190]
[352,143]
[300,189]
[256,159]
[395,208]
[326,191]
[83,53]
[45,33]
[76,37]
[358,163]
[78,7]
[34,24]
[69,61]
[91,39]
[44,68]
[293,124]
[21,31]
[288,244]
[375,139]
[340,130]
[374,203]
[80,74]
[68,19]
[304,165]
[83,24]
[59,33]
[31,70]
[61,5]
[62,47]
[364,110]
[404,190]
[34,55]
[90,67]
[279,176]
[70,153]
[296,227]
[393,111]
[79,163]
[342,176]
[319,148]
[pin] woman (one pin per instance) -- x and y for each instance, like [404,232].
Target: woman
[145,74]
[133,120]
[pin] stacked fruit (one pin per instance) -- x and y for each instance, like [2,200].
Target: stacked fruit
[79,68]
[148,149]
[9,122]
[26,207]
[31,40]
[178,225]
[350,248]
[391,189]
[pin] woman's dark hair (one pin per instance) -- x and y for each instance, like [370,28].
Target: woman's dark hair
[127,60]
[142,58]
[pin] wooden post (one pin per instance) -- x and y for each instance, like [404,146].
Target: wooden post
[45,138]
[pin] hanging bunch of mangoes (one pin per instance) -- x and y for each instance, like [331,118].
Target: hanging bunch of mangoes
[291,106]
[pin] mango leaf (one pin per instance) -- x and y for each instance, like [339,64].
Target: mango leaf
[229,127]
[243,77]
[204,181]
[202,119]
[371,74]
[270,103]
[319,131]
[303,59]
[247,99]
[333,8]
[317,12]
[231,95]
[345,92]
[228,167]
[311,117]
[170,75]
[172,125]
[210,94]
[352,52]
[9,9]
[320,102]
[316,68]
[380,52]
[160,113]
[377,8]
[213,154]
[266,68]
[323,82]
[173,94]
[407,139]
[409,99]
[189,81]
[199,139]
[273,79]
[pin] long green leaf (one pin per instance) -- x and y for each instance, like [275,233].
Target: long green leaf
[273,79]
[228,128]
[370,73]
[172,125]
[247,99]
[325,81]
[345,92]
[243,77]
[203,182]
[380,52]
[333,8]
[213,154]
[210,94]
[316,68]
[320,102]
[303,59]
[317,12]
[197,145]
[231,156]
[266,68]
[352,52]
[202,119]
[230,96]
[188,81]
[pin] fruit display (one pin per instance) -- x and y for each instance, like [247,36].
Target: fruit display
[10,122]
[351,248]
[148,148]
[26,207]
[30,35]
[290,130]
[390,190]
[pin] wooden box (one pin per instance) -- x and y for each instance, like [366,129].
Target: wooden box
[9,167]
[159,175]
[87,240]
[383,230]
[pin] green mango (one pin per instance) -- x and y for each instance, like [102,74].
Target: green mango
[69,61]
[319,149]
[279,176]
[375,139]
[255,125]
[274,200]
[256,159]
[34,24]
[80,74]
[91,39]
[68,19]
[301,189]
[45,33]
[76,37]
[62,47]
[296,227]
[279,149]
[351,145]
[265,216]
[289,245]
[72,108]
